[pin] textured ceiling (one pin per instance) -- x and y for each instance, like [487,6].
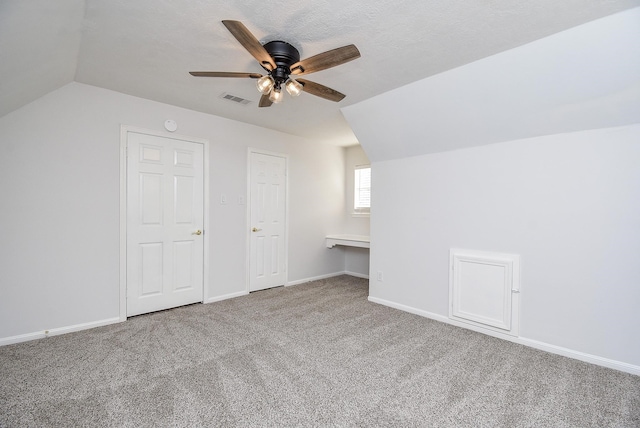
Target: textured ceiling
[146,48]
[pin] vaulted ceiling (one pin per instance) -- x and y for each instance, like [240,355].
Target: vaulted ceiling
[146,48]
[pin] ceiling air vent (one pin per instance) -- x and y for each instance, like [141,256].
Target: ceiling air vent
[233,98]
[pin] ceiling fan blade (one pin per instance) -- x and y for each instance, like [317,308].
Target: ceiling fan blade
[321,90]
[224,74]
[250,43]
[265,101]
[326,60]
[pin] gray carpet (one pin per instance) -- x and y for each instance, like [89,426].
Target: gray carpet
[317,354]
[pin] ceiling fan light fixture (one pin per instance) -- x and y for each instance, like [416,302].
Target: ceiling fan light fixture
[276,95]
[281,60]
[293,87]
[265,84]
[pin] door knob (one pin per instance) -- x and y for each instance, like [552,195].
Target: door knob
[255,229]
[197,232]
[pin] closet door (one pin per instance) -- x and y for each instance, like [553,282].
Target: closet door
[165,216]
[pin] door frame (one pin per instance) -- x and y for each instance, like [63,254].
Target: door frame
[124,130]
[251,151]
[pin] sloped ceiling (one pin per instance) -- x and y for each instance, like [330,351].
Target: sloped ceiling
[39,45]
[146,48]
[587,77]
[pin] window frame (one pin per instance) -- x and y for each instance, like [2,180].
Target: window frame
[360,211]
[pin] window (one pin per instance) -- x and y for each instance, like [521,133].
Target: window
[362,190]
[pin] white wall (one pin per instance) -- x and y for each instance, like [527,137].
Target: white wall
[568,204]
[553,177]
[59,218]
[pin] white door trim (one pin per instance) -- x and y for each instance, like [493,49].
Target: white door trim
[124,130]
[250,151]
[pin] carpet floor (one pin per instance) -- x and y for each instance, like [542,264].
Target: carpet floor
[317,354]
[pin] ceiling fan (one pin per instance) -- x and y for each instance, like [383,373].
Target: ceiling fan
[282,61]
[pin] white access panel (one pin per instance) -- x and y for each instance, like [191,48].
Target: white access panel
[484,289]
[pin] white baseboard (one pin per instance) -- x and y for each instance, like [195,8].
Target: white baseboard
[587,358]
[315,278]
[288,284]
[56,331]
[329,275]
[356,274]
[21,338]
[225,297]
[559,350]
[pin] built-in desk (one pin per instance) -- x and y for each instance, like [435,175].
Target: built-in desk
[360,241]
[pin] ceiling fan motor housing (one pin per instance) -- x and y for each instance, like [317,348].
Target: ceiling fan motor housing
[284,55]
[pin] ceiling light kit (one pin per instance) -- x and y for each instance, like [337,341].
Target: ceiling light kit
[284,55]
[281,60]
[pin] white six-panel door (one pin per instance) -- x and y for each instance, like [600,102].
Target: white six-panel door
[165,213]
[268,181]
